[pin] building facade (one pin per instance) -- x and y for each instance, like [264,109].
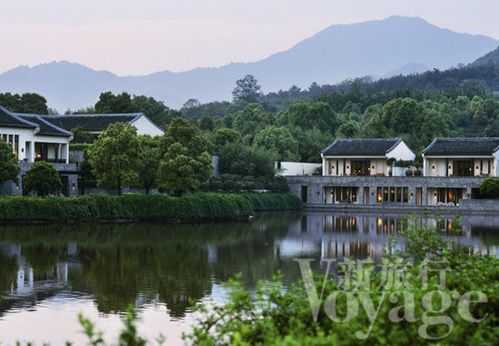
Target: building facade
[363,172]
[365,157]
[35,137]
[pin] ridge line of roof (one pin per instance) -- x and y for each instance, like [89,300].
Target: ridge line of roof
[19,118]
[50,124]
[100,115]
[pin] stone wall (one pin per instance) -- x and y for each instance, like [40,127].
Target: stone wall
[315,186]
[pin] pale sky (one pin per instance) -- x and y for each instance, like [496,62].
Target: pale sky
[144,36]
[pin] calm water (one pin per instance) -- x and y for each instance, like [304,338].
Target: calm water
[50,274]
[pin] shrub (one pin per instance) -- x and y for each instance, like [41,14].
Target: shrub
[189,208]
[42,179]
[277,314]
[490,188]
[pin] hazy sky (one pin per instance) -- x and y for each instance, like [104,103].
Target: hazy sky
[142,36]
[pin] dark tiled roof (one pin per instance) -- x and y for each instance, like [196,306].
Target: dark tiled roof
[484,146]
[91,122]
[361,147]
[11,120]
[46,128]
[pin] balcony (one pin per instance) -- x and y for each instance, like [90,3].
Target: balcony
[60,166]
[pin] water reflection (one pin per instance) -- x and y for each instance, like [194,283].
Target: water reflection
[175,266]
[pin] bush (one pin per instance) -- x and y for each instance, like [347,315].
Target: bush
[277,314]
[135,207]
[42,179]
[490,188]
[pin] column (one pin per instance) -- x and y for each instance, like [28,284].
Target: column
[412,196]
[32,152]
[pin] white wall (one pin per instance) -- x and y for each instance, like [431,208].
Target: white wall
[401,153]
[435,168]
[297,168]
[145,126]
[25,135]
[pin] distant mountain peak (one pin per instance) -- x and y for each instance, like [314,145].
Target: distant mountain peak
[339,52]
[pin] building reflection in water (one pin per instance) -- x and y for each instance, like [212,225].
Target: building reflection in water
[363,236]
[177,266]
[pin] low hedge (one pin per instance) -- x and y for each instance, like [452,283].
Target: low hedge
[135,207]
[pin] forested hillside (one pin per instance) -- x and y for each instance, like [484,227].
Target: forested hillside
[255,128]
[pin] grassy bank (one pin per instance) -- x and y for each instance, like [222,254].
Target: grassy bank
[191,208]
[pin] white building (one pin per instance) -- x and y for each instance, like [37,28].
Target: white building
[33,138]
[365,157]
[96,123]
[462,157]
[286,168]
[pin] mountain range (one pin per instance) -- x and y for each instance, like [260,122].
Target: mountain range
[381,48]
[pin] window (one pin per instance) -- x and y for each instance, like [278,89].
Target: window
[463,168]
[360,168]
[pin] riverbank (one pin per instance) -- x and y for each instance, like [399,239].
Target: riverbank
[195,208]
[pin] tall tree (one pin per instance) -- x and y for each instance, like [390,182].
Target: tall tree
[279,141]
[115,156]
[149,162]
[25,103]
[110,103]
[185,160]
[247,90]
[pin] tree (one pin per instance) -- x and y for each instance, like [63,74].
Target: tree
[115,156]
[191,103]
[186,133]
[9,168]
[207,123]
[348,129]
[26,103]
[185,160]
[42,179]
[180,172]
[224,136]
[110,103]
[239,159]
[278,140]
[311,114]
[311,143]
[251,119]
[149,162]
[246,90]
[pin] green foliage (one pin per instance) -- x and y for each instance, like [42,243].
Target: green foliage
[124,103]
[81,136]
[147,173]
[25,103]
[42,179]
[134,207]
[490,188]
[181,171]
[237,183]
[281,315]
[115,156]
[79,146]
[246,90]
[9,168]
[224,136]
[128,335]
[279,141]
[311,114]
[251,119]
[239,159]
[185,162]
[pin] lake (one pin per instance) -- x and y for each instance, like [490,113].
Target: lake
[49,274]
